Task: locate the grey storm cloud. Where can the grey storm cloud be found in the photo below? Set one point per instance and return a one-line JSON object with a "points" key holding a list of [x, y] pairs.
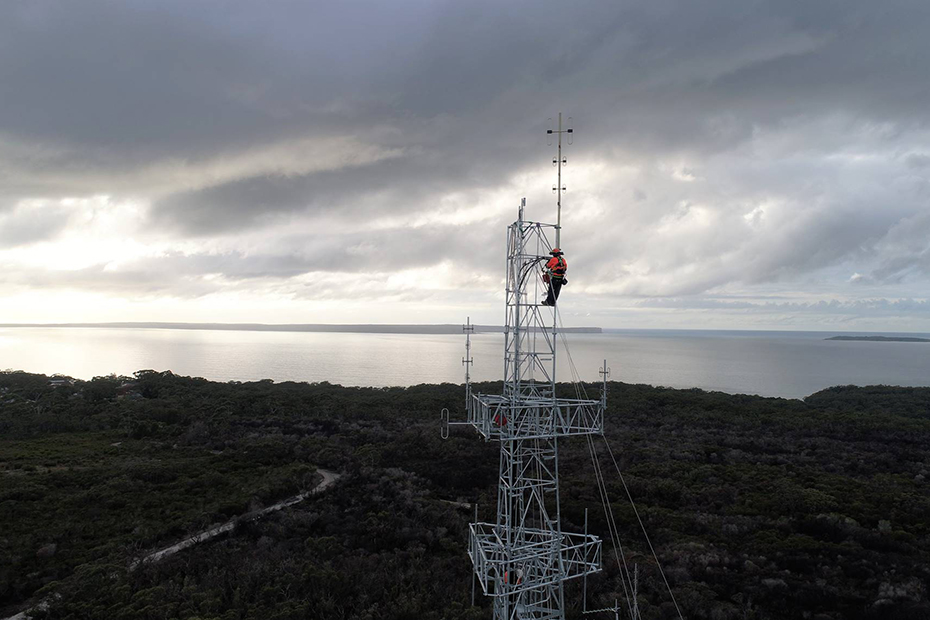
{"points": [[859, 307], [395, 187], [391, 251], [140, 80], [193, 275], [799, 129]]}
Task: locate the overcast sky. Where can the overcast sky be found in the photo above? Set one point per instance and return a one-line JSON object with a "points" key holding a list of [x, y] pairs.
{"points": [[736, 164]]}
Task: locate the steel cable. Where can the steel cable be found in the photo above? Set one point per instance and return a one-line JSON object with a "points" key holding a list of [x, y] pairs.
{"points": [[581, 392], [643, 528]]}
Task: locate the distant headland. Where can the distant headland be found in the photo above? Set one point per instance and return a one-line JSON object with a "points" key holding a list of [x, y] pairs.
{"points": [[303, 327], [879, 338]]}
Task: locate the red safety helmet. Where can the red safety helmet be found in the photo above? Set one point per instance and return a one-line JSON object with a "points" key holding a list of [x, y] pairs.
{"points": [[556, 252]]}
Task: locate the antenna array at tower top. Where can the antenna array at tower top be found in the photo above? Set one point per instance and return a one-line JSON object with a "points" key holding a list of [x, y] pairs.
{"points": [[559, 162]]}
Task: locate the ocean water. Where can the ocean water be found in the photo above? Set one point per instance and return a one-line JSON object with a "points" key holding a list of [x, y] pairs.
{"points": [[785, 364]]}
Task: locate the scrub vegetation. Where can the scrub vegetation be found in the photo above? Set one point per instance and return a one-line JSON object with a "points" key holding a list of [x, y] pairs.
{"points": [[758, 508]]}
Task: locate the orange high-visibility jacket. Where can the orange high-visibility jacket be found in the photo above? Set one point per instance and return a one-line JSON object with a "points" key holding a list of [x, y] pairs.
{"points": [[557, 266]]}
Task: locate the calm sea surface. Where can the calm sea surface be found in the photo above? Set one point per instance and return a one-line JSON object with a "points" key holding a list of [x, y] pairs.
{"points": [[788, 364]]}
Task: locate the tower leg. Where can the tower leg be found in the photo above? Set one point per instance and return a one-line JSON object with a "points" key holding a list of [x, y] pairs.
{"points": [[528, 525]]}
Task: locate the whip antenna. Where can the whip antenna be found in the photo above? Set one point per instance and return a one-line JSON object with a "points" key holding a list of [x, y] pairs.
{"points": [[559, 161]]}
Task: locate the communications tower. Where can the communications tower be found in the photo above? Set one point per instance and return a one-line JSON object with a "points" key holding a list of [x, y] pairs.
{"points": [[523, 559]]}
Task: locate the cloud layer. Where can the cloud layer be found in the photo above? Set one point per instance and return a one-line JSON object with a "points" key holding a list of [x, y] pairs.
{"points": [[755, 164]]}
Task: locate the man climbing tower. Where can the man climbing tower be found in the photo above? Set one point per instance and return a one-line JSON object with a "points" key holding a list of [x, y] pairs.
{"points": [[554, 275]]}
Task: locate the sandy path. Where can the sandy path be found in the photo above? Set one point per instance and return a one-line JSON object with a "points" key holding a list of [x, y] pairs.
{"points": [[329, 478]]}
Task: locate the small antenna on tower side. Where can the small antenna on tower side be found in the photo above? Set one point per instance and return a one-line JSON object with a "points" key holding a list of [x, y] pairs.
{"points": [[604, 372], [559, 161], [467, 361]]}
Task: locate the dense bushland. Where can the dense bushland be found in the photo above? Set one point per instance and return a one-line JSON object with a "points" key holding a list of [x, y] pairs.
{"points": [[758, 508]]}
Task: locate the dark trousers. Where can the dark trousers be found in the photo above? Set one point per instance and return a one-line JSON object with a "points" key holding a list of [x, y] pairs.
{"points": [[555, 285]]}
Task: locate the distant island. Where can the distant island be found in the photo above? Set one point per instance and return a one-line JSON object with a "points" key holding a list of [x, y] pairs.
{"points": [[879, 338], [304, 327]]}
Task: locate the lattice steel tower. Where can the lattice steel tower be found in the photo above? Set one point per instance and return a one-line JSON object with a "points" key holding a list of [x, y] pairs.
{"points": [[523, 559]]}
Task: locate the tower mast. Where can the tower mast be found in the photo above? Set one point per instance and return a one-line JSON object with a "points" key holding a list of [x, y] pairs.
{"points": [[523, 558]]}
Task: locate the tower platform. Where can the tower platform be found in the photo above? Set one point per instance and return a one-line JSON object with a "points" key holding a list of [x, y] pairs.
{"points": [[501, 417], [541, 557]]}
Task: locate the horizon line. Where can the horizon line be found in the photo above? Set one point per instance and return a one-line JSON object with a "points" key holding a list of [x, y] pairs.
{"points": [[428, 328], [414, 328]]}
